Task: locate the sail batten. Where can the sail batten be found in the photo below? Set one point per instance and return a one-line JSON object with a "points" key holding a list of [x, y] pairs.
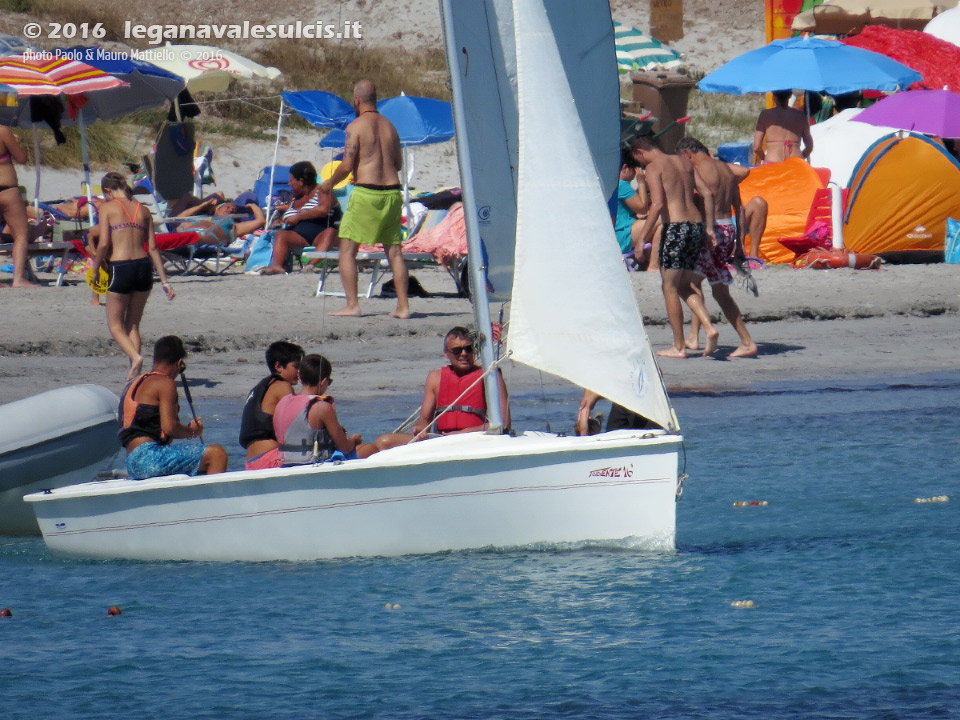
{"points": [[573, 310]]}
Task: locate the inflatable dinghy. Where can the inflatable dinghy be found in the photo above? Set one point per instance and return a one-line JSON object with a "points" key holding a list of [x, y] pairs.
{"points": [[59, 437]]}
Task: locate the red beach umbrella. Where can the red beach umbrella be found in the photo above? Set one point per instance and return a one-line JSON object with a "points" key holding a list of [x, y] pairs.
{"points": [[937, 60]]}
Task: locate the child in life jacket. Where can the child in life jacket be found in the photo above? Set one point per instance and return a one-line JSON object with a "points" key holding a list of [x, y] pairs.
{"points": [[307, 428]]}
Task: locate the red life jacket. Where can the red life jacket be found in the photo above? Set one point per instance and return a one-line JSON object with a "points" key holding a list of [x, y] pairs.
{"points": [[470, 410]]}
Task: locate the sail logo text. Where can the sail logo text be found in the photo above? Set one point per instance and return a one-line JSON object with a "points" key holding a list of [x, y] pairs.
{"points": [[614, 472]]}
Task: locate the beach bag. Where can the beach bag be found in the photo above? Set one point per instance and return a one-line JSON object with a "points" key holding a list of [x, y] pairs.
{"points": [[262, 253], [951, 248], [414, 289]]}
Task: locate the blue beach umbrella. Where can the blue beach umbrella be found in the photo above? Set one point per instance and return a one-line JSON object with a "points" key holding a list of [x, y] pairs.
{"points": [[806, 63], [418, 120], [319, 108], [148, 86]]}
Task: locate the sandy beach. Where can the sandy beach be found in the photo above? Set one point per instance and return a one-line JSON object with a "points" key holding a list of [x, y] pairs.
{"points": [[812, 327]]}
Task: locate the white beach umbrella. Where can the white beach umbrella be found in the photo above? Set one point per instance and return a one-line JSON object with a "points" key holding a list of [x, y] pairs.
{"points": [[946, 26], [209, 69]]}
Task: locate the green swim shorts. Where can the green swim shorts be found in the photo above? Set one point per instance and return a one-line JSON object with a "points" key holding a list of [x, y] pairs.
{"points": [[373, 216]]}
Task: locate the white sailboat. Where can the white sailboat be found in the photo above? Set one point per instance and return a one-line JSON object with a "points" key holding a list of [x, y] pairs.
{"points": [[529, 108]]}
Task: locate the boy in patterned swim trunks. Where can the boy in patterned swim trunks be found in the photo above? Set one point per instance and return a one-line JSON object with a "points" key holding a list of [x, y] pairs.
{"points": [[729, 230], [671, 181]]}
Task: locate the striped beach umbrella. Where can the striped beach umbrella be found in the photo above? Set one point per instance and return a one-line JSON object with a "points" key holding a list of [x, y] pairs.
{"points": [[49, 74], [637, 51], [52, 74]]}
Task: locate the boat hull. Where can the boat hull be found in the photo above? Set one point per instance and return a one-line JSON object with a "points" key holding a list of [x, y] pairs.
{"points": [[57, 438], [454, 493]]}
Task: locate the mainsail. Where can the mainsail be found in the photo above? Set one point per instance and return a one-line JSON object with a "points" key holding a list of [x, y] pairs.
{"points": [[573, 310], [483, 57]]}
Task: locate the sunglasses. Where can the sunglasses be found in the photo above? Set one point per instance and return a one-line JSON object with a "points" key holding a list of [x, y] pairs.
{"points": [[461, 350]]}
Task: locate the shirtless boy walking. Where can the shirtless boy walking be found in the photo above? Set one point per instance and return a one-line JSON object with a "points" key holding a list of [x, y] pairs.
{"points": [[671, 181], [729, 231], [374, 215]]}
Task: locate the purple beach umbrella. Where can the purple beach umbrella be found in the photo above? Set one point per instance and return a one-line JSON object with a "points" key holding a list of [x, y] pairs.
{"points": [[934, 112]]}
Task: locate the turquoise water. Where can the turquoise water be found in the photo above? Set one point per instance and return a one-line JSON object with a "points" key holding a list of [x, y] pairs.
{"points": [[855, 590]]}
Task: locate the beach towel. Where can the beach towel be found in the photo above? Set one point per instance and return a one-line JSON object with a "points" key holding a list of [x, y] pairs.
{"points": [[951, 248], [446, 241]]}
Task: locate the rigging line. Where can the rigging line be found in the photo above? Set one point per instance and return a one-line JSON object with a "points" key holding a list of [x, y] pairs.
{"points": [[543, 402], [213, 101], [410, 417], [493, 366]]}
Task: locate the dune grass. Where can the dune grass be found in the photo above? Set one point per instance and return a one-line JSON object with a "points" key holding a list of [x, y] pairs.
{"points": [[108, 145], [717, 118]]}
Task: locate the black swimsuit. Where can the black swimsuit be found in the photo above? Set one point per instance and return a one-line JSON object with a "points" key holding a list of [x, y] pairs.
{"points": [[130, 276]]}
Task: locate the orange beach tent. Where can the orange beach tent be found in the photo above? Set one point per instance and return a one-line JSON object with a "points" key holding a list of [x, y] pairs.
{"points": [[789, 188], [901, 193]]}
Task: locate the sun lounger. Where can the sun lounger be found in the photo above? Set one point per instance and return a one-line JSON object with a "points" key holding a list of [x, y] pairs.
{"points": [[64, 249], [374, 262], [187, 253]]}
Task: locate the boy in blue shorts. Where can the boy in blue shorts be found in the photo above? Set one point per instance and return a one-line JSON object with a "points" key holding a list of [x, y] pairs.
{"points": [[149, 419]]}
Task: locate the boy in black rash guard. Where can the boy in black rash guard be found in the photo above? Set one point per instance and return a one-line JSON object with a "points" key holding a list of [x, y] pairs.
{"points": [[256, 423]]}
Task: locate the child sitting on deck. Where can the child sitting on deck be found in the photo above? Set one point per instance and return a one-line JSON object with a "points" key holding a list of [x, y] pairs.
{"points": [[306, 424]]}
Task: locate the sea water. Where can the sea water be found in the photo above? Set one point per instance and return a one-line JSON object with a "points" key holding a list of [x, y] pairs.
{"points": [[837, 598]]}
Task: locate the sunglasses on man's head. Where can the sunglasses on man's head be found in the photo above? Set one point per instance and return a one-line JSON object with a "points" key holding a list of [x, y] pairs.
{"points": [[460, 350]]}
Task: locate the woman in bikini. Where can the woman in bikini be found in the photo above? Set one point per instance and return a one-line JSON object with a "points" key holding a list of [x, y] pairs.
{"points": [[310, 220], [11, 204], [125, 227]]}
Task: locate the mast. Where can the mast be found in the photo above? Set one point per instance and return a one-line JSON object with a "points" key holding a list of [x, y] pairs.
{"points": [[477, 268]]}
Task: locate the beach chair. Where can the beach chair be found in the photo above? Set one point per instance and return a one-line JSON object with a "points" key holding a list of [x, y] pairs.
{"points": [[818, 232], [371, 263], [66, 250], [202, 168], [185, 253]]}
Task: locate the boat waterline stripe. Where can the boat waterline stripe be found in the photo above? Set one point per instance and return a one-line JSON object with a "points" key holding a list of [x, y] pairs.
{"points": [[359, 503]]}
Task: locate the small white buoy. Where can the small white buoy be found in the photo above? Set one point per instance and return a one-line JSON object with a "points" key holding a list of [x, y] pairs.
{"points": [[742, 604], [391, 606], [750, 503], [934, 499]]}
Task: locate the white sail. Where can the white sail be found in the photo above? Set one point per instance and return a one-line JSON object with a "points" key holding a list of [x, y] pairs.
{"points": [[483, 58], [573, 313]]}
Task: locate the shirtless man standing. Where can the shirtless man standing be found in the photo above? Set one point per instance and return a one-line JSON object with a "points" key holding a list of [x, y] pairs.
{"points": [[783, 129], [374, 214], [729, 231], [671, 182]]}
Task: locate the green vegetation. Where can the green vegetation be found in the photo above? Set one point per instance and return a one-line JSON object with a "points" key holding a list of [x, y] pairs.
{"points": [[717, 118], [107, 146], [337, 68]]}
